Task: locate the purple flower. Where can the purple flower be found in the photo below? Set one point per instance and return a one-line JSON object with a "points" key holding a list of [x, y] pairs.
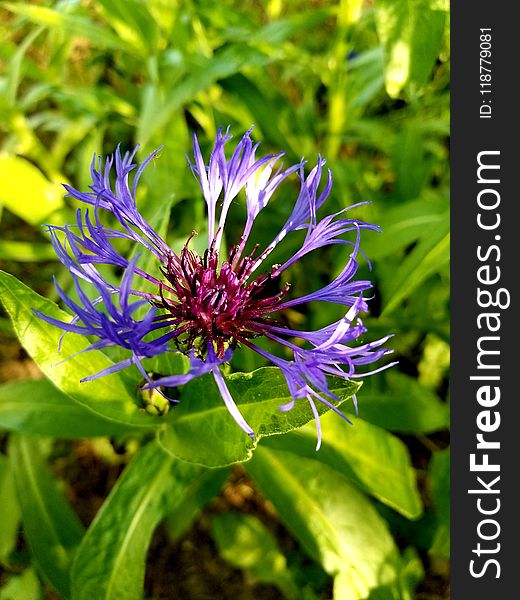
{"points": [[206, 306]]}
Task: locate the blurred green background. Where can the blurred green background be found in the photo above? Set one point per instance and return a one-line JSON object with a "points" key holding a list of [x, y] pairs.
{"points": [[366, 85]]}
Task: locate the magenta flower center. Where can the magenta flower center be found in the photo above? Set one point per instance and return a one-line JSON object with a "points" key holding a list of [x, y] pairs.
{"points": [[218, 304]]}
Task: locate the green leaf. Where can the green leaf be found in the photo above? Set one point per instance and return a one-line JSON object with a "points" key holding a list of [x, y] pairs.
{"points": [[333, 521], [10, 521], [412, 34], [133, 23], [404, 224], [411, 573], [26, 251], [22, 587], [16, 65], [245, 542], [110, 563], [147, 261], [201, 76], [435, 361], [268, 112], [440, 492], [167, 179], [200, 491], [430, 256], [38, 407], [277, 32], [372, 458], [258, 396], [52, 529], [409, 163], [72, 25], [108, 397], [26, 192], [400, 403], [365, 79]]}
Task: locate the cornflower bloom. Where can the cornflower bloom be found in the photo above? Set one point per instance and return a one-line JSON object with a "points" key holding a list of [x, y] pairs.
{"points": [[206, 306]]}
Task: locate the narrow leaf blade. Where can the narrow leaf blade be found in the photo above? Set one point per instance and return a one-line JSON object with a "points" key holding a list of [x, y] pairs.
{"points": [[52, 528], [110, 563]]}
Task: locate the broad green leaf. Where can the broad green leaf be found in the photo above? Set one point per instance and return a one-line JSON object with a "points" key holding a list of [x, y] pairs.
{"points": [[410, 573], [440, 492], [372, 458], [245, 542], [25, 586], [258, 396], [72, 25], [200, 491], [26, 192], [10, 521], [400, 403], [334, 522], [412, 34], [51, 527], [108, 397], [38, 407], [110, 563], [430, 256]]}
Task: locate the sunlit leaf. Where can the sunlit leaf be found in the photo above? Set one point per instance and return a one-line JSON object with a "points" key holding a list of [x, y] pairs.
{"points": [[333, 521], [26, 251], [258, 396], [25, 586], [71, 24], [369, 456], [133, 23], [245, 542], [412, 34], [109, 398], [26, 192]]}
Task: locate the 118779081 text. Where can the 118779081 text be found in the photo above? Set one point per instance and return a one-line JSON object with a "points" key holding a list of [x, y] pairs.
{"points": [[485, 73]]}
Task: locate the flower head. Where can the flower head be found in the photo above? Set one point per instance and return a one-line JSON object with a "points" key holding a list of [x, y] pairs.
{"points": [[207, 305]]}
